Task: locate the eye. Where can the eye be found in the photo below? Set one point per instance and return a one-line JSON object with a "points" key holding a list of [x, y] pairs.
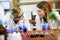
{"points": [[39, 11]]}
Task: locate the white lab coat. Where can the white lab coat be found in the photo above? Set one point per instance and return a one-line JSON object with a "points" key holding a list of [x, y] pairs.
{"points": [[11, 25], [6, 18], [38, 27], [2, 14]]}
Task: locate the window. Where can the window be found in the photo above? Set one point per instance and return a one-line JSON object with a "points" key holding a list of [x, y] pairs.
{"points": [[5, 4], [27, 9]]}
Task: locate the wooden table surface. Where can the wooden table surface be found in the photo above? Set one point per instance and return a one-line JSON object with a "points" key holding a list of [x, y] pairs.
{"points": [[41, 38]]}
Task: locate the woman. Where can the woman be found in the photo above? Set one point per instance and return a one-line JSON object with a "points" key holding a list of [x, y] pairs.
{"points": [[17, 19], [43, 9]]}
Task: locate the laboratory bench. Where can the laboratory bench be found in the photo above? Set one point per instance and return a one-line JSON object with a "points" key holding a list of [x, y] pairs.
{"points": [[39, 35]]}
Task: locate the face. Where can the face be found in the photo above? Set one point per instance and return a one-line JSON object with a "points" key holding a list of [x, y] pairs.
{"points": [[18, 17], [41, 12]]}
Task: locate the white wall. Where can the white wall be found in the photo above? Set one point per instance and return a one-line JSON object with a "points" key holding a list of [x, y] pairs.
{"points": [[27, 9]]}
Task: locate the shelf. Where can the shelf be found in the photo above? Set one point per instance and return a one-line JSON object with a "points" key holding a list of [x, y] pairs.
{"points": [[30, 3]]}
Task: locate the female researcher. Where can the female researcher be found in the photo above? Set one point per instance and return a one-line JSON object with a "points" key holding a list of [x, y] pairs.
{"points": [[42, 18], [17, 19]]}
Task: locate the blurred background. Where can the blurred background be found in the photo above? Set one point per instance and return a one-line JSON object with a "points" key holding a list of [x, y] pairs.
{"points": [[29, 8]]}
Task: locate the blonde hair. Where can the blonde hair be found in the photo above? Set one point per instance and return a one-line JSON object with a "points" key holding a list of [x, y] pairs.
{"points": [[15, 11], [44, 5]]}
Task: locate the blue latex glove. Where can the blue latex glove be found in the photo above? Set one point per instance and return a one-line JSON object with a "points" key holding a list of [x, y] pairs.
{"points": [[24, 29], [43, 27], [20, 27], [10, 31], [48, 28]]}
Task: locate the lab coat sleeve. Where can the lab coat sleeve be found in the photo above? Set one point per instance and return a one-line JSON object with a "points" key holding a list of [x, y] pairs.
{"points": [[26, 23], [38, 23], [6, 19], [8, 24]]}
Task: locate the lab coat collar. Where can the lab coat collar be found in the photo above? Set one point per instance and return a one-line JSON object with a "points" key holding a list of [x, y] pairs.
{"points": [[43, 21]]}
